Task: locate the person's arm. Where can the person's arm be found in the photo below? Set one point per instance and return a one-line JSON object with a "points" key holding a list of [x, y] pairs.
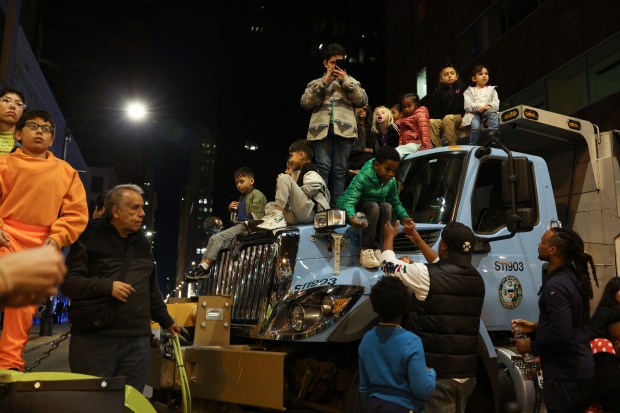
{"points": [[314, 95], [397, 207], [256, 205], [414, 275], [414, 236], [494, 99], [351, 196], [73, 215], [159, 311], [313, 184], [557, 333], [468, 97], [354, 91], [437, 110], [422, 379], [393, 135], [424, 128], [78, 283], [30, 276]]}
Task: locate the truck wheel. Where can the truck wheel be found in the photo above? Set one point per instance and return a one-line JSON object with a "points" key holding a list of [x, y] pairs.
{"points": [[352, 400]]}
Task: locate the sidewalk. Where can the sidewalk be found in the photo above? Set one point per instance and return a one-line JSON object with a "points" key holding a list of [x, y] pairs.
{"points": [[36, 341]]}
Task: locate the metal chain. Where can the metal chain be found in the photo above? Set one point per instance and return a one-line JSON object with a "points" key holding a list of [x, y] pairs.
{"points": [[53, 346]]}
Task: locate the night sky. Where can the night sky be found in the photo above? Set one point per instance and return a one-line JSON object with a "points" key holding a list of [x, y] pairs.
{"points": [[201, 74], [174, 78]]}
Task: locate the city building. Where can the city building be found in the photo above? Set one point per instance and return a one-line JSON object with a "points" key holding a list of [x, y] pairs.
{"points": [[196, 206], [562, 56]]}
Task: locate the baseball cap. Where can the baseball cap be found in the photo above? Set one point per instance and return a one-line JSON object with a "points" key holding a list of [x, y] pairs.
{"points": [[460, 241]]}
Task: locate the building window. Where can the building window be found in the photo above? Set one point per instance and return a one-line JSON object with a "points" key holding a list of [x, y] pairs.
{"points": [[251, 146], [467, 44], [532, 96], [421, 86], [567, 89], [492, 26], [603, 65]]}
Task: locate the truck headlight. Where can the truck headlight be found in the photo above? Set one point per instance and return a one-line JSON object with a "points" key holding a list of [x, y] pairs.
{"points": [[296, 316], [330, 219], [306, 313]]}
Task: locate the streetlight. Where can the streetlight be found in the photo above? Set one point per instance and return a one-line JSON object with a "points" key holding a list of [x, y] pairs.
{"points": [[136, 110]]}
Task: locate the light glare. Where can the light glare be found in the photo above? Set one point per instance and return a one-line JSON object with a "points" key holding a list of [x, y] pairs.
{"points": [[136, 111]]}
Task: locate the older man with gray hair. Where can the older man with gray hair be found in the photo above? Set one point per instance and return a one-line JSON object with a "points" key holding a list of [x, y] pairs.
{"points": [[113, 258]]}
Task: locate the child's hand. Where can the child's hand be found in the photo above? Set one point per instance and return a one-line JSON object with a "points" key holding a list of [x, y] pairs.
{"points": [[233, 206], [52, 242], [289, 168], [408, 221], [5, 241], [390, 231], [353, 221], [338, 73]]}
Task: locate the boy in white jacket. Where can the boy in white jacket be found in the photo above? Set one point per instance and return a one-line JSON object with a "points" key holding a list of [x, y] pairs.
{"points": [[298, 199], [481, 102]]}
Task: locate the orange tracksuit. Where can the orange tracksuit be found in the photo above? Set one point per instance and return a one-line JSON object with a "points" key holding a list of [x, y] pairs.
{"points": [[39, 199]]}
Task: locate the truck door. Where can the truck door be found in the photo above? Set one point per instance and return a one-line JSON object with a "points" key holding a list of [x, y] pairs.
{"points": [[508, 263]]}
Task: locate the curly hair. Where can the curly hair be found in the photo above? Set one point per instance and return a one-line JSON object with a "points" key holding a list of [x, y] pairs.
{"points": [[389, 298]]}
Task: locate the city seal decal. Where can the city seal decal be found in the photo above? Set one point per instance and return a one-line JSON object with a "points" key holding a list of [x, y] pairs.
{"points": [[510, 292]]}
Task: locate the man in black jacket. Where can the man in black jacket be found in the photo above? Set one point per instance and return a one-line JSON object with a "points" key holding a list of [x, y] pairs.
{"points": [[111, 250], [446, 283]]}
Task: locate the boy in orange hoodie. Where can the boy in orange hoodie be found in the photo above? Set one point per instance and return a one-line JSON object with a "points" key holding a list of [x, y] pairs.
{"points": [[42, 202]]}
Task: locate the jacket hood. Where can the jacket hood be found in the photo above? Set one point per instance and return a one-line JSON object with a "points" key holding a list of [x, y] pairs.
{"points": [[369, 171]]}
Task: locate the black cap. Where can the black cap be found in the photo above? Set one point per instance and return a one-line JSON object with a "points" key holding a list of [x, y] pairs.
{"points": [[460, 241]]}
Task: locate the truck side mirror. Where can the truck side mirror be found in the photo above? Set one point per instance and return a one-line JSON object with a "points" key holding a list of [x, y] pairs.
{"points": [[526, 222], [522, 175]]}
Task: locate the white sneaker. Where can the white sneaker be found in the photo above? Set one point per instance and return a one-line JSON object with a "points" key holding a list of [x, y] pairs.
{"points": [[378, 255], [368, 259], [273, 221]]}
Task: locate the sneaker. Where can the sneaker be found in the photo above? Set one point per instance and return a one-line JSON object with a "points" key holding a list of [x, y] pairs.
{"points": [[273, 221], [378, 255], [197, 273], [368, 259]]}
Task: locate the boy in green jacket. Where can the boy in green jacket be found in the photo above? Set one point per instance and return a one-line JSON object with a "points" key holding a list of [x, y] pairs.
{"points": [[374, 192]]}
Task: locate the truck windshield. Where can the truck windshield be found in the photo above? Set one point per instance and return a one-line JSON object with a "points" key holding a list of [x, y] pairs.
{"points": [[430, 186]]}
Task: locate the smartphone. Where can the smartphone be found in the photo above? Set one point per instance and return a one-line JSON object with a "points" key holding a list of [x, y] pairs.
{"points": [[341, 63]]}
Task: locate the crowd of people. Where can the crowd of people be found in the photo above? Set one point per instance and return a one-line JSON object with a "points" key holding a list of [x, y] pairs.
{"points": [[44, 209], [421, 356]]}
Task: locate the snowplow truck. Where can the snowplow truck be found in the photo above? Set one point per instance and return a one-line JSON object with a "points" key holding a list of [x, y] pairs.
{"points": [[278, 323]]}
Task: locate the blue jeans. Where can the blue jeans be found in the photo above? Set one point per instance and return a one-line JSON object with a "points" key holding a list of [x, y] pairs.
{"points": [[331, 155], [476, 125]]}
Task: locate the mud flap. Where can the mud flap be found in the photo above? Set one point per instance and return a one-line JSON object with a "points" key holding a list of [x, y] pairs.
{"points": [[236, 374]]}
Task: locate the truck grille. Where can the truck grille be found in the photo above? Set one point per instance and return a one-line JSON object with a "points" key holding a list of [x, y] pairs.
{"points": [[402, 243], [246, 274]]}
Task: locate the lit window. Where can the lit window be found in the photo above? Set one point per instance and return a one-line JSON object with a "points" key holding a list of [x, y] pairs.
{"points": [[421, 83]]}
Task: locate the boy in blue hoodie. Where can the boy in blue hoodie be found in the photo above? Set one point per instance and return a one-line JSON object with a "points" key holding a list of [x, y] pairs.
{"points": [[374, 192]]}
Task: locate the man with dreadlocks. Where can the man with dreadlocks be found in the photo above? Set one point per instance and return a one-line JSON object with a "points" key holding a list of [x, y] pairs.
{"points": [[561, 337]]}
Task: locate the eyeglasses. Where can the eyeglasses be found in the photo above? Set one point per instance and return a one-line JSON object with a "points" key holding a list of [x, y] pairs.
{"points": [[8, 102], [44, 128]]}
